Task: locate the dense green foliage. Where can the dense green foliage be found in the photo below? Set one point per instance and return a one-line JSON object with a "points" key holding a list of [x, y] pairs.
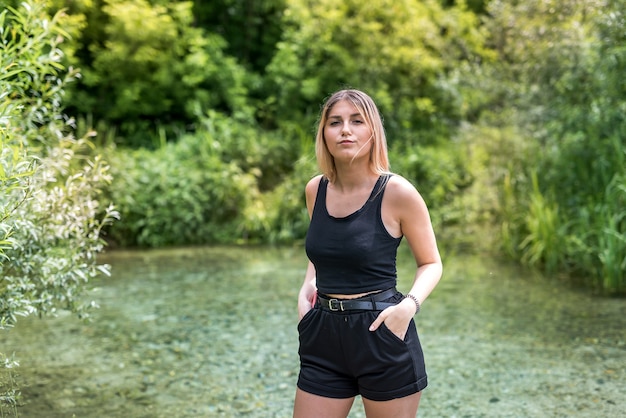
{"points": [[498, 111], [400, 51], [564, 199], [506, 114], [215, 186], [150, 68], [50, 215], [252, 28]]}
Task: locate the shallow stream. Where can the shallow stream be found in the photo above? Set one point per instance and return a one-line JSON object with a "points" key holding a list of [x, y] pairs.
{"points": [[211, 332]]}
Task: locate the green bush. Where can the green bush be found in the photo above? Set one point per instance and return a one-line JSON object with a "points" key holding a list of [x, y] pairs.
{"points": [[51, 215], [267, 154], [440, 173], [146, 67], [180, 194], [400, 51], [229, 182], [280, 215], [563, 206]]}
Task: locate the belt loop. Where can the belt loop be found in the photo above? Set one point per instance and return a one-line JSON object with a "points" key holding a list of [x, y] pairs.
{"points": [[373, 302]]}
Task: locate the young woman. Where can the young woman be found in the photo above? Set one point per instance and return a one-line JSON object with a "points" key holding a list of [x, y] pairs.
{"points": [[357, 334]]}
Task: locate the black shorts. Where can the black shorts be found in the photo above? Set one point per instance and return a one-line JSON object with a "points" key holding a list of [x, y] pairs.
{"points": [[341, 358]]}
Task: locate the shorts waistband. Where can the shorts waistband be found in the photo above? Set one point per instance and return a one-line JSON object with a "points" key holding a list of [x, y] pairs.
{"points": [[371, 302]]}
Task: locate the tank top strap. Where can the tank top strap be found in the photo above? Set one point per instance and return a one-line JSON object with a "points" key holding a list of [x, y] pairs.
{"points": [[320, 198], [378, 189]]}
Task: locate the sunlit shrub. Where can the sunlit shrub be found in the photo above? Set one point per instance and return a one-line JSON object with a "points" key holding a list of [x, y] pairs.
{"points": [[440, 174], [560, 82], [229, 182], [51, 215], [181, 194], [280, 215]]}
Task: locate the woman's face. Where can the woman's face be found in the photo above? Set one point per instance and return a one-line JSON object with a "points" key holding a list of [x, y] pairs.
{"points": [[347, 134]]}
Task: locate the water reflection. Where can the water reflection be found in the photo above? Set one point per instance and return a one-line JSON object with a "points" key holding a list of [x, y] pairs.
{"points": [[210, 332]]}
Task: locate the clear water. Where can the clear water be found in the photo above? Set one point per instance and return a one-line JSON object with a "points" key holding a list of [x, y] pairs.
{"points": [[211, 332]]}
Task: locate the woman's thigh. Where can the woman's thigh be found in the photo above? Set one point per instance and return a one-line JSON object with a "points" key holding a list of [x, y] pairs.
{"points": [[308, 405], [405, 407]]}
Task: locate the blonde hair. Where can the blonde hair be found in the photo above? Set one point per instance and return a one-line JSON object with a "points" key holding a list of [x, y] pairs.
{"points": [[379, 160]]}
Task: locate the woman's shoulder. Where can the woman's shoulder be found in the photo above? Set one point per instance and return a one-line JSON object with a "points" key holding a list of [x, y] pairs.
{"points": [[314, 183], [310, 192], [400, 189], [399, 184]]}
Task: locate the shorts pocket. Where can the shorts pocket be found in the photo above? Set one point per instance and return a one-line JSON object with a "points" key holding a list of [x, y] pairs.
{"points": [[302, 325], [390, 334]]}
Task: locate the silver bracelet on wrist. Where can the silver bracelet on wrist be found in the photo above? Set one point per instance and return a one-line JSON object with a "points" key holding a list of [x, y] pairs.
{"points": [[418, 306]]}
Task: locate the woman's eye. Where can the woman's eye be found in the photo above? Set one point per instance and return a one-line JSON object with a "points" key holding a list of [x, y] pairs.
{"points": [[357, 121]]}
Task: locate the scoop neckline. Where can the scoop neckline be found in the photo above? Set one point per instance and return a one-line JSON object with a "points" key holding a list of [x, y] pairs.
{"points": [[356, 212]]}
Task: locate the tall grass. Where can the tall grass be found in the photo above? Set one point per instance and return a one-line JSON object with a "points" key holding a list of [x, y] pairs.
{"points": [[9, 395], [611, 240], [579, 235], [543, 244], [602, 224]]}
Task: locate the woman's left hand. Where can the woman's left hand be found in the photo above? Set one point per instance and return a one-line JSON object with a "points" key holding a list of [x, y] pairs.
{"points": [[396, 318]]}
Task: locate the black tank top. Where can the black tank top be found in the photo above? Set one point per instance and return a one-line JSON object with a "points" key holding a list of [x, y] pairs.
{"points": [[354, 254]]}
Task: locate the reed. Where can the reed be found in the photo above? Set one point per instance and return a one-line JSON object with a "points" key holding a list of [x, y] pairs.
{"points": [[542, 245], [595, 239], [611, 240]]}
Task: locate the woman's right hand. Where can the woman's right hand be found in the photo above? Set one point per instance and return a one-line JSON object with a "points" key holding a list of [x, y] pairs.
{"points": [[306, 298]]}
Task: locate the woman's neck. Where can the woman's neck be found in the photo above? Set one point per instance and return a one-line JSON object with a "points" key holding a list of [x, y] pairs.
{"points": [[353, 178]]}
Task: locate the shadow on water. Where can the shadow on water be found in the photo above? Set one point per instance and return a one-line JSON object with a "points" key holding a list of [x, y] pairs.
{"points": [[210, 332]]}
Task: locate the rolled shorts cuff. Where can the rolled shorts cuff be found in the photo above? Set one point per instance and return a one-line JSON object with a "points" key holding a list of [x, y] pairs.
{"points": [[396, 393]]}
